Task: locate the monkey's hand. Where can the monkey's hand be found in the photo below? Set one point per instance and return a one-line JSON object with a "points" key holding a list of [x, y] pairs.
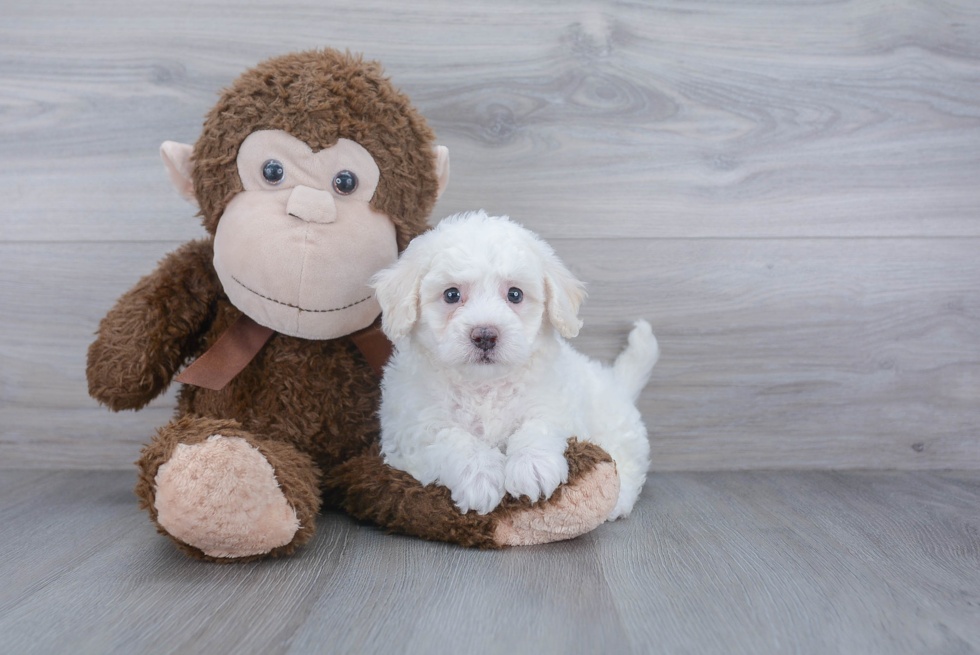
{"points": [[153, 328]]}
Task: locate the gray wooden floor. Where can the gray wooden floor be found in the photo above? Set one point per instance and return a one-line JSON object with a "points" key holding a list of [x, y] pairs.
{"points": [[731, 562]]}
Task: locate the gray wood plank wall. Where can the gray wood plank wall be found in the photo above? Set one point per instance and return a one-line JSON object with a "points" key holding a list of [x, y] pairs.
{"points": [[789, 192]]}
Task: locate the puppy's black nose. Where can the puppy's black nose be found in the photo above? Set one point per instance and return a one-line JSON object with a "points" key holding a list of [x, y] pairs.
{"points": [[484, 338]]}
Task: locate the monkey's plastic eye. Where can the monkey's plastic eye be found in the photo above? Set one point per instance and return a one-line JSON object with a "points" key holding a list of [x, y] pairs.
{"points": [[515, 295], [451, 295], [344, 183], [273, 172]]}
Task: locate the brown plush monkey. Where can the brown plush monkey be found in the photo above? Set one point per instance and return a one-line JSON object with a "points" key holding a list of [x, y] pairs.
{"points": [[311, 174]]}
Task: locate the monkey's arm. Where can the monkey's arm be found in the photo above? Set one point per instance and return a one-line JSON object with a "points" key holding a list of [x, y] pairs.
{"points": [[370, 490], [153, 328]]}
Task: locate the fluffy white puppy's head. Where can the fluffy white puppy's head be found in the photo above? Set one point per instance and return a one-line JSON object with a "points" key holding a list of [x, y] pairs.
{"points": [[480, 293]]}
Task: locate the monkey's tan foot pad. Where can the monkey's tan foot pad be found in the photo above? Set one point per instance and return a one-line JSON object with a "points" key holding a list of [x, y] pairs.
{"points": [[221, 496], [582, 507]]}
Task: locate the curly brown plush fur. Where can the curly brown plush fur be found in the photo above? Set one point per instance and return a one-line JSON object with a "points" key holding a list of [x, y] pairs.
{"points": [[153, 329], [309, 407], [320, 96]]}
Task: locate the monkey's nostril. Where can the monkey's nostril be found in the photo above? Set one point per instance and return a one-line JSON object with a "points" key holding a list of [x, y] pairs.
{"points": [[484, 337]]}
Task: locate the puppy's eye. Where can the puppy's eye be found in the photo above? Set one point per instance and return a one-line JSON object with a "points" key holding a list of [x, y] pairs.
{"points": [[515, 295], [273, 172], [344, 183], [451, 295]]}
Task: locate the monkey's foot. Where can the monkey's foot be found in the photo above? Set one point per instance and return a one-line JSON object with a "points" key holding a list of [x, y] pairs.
{"points": [[222, 497], [577, 507]]}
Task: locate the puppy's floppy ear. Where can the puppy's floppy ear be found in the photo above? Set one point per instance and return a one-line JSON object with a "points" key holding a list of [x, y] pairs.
{"points": [[397, 288], [564, 293]]}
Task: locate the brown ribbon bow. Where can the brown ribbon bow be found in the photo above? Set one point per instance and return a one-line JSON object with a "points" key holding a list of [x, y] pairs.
{"points": [[241, 342]]}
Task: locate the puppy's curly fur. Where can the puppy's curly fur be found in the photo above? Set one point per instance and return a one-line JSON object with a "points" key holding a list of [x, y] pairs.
{"points": [[483, 391]]}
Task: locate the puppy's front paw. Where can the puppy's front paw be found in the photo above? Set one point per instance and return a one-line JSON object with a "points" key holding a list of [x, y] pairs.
{"points": [[479, 482], [534, 473]]}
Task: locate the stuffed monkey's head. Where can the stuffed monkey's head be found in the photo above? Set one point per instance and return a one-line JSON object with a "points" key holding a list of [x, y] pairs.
{"points": [[312, 173]]}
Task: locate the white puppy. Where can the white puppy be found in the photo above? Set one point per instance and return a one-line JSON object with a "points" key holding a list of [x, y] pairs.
{"points": [[482, 392]]}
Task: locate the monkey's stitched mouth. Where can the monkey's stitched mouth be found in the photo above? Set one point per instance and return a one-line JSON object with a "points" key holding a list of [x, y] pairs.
{"points": [[302, 309]]}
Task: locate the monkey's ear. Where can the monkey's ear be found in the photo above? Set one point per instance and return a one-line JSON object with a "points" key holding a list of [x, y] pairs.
{"points": [[397, 288], [177, 158], [442, 168]]}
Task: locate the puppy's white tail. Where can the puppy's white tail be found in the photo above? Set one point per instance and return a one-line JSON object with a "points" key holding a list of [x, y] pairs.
{"points": [[633, 366]]}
